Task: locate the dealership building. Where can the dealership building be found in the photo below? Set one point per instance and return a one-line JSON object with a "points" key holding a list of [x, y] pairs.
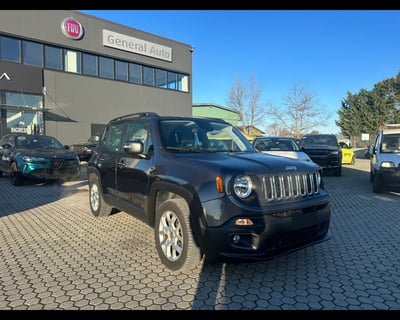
{"points": [[64, 73]]}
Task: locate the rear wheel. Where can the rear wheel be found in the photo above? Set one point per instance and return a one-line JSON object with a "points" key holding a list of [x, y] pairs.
{"points": [[16, 178], [353, 160], [175, 244], [98, 206]]}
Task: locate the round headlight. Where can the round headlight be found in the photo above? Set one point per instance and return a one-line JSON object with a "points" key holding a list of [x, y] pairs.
{"points": [[242, 186]]}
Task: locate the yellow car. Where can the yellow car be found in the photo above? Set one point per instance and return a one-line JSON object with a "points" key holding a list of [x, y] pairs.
{"points": [[348, 156]]}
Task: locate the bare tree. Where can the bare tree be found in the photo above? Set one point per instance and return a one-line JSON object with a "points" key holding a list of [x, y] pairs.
{"points": [[246, 101], [299, 112], [275, 129], [236, 99], [255, 114]]}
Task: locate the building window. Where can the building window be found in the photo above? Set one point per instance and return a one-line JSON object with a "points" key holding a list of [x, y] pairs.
{"points": [[32, 53], [106, 68], [172, 80], [10, 49], [89, 63], [121, 70], [53, 57], [25, 113], [148, 76], [72, 61], [161, 78], [135, 73], [18, 99], [183, 83]]}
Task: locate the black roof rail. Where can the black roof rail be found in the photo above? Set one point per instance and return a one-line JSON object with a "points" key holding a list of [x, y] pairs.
{"points": [[136, 114], [210, 118]]}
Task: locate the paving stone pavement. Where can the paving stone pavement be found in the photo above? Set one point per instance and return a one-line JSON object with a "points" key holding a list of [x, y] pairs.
{"points": [[54, 255]]}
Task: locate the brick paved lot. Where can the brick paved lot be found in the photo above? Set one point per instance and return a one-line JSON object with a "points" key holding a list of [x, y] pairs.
{"points": [[54, 255]]}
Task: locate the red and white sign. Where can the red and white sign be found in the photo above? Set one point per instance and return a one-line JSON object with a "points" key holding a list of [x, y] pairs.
{"points": [[71, 28]]}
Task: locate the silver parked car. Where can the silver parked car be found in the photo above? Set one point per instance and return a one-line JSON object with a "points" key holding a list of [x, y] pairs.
{"points": [[280, 146]]}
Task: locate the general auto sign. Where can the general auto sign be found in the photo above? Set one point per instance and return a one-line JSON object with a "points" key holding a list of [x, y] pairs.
{"points": [[71, 28]]}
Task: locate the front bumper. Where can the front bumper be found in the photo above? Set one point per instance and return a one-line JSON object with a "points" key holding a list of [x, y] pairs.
{"points": [[390, 177], [30, 171], [328, 163], [270, 235]]}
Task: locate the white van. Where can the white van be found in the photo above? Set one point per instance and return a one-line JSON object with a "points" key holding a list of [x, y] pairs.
{"points": [[385, 159]]}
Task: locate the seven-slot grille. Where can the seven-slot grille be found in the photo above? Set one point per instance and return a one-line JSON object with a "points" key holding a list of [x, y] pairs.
{"points": [[289, 186]]}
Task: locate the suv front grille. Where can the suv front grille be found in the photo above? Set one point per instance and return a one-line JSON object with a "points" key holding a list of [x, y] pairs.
{"points": [[318, 152], [56, 163], [290, 186]]}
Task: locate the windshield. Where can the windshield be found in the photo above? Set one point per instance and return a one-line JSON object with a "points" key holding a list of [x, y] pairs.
{"points": [[38, 142], [318, 140], [275, 144], [391, 143], [202, 135]]}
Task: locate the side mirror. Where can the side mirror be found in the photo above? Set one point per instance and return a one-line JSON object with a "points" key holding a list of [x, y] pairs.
{"points": [[133, 147]]}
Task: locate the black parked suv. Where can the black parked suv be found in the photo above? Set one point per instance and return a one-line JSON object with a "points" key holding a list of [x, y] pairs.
{"points": [[84, 150], [324, 150], [205, 190]]}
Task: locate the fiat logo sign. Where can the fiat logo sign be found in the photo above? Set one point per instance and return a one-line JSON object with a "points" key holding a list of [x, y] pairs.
{"points": [[71, 28]]}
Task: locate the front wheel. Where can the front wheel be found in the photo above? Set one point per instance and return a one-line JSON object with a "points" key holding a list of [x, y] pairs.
{"points": [[337, 172], [377, 186], [98, 206], [16, 178], [174, 239]]}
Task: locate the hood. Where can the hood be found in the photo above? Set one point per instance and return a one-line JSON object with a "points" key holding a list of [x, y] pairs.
{"points": [[394, 157], [320, 147], [45, 153], [299, 155], [245, 163], [85, 144]]}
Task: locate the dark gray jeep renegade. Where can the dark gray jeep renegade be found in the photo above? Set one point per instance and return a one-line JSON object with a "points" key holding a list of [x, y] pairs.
{"points": [[205, 190]]}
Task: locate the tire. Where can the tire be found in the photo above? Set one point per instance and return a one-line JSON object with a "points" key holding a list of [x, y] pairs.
{"points": [[377, 186], [60, 181], [16, 178], [337, 172], [353, 160], [98, 206], [173, 233]]}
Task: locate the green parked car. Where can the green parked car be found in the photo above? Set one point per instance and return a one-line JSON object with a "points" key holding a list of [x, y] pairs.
{"points": [[35, 157]]}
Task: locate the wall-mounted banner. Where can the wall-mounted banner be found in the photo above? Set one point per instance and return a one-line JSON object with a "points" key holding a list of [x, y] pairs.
{"points": [[135, 45]]}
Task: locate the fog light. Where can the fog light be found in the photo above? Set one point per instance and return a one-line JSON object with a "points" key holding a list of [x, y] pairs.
{"points": [[236, 238], [244, 222]]}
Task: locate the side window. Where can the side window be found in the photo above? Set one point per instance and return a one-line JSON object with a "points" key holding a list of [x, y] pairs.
{"points": [[113, 136], [139, 131], [10, 141], [377, 143]]}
